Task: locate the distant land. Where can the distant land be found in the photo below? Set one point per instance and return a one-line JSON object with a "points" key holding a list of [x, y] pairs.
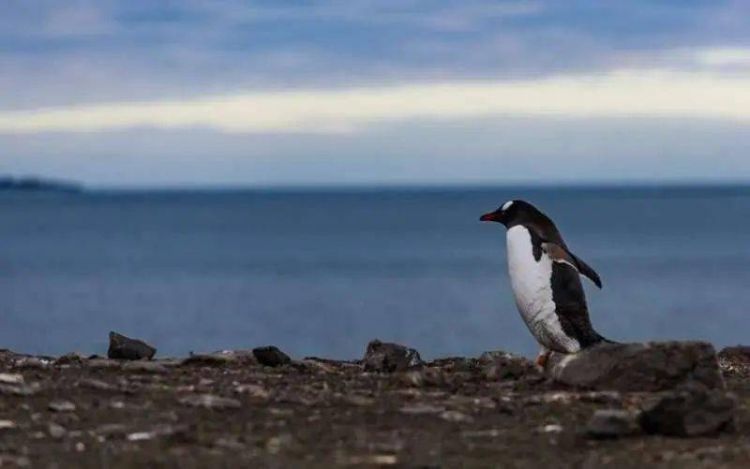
{"points": [[35, 184]]}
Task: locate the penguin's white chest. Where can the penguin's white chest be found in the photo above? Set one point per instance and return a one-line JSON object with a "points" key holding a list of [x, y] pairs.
{"points": [[532, 289]]}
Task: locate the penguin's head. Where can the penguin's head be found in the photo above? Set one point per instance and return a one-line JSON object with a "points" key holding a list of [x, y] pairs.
{"points": [[510, 212]]}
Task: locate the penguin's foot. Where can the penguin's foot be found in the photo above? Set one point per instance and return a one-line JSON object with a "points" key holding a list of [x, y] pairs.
{"points": [[541, 359]]}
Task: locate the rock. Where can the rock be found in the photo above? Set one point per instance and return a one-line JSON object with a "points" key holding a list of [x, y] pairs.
{"points": [[31, 363], [73, 358], [56, 431], [654, 366], [144, 367], [611, 423], [271, 356], [210, 359], [497, 365], [61, 406], [690, 411], [421, 409], [735, 359], [390, 357], [456, 416], [96, 384], [22, 390], [7, 425], [103, 364], [551, 428], [125, 348], [253, 390], [8, 378], [210, 401]]}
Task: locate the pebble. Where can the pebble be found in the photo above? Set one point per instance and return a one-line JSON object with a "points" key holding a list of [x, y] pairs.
{"points": [[10, 378], [56, 431], [552, 428], [421, 409], [140, 366], [7, 425], [210, 401], [611, 423], [61, 406], [455, 416]]}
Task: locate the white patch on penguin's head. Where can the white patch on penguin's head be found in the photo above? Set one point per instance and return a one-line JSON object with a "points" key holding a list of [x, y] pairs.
{"points": [[506, 205]]}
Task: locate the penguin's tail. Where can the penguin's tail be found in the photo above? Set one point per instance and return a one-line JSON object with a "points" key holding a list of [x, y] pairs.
{"points": [[604, 340]]}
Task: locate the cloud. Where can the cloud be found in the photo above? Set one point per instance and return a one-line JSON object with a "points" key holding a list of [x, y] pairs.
{"points": [[724, 57], [624, 93]]}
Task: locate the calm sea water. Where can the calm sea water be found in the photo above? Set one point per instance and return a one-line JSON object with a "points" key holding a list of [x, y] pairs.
{"points": [[321, 273]]}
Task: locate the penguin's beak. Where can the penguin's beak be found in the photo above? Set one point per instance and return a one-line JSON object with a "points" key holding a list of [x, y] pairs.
{"points": [[492, 216]]}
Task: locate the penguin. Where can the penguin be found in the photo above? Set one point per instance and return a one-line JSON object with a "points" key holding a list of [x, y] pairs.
{"points": [[545, 278]]}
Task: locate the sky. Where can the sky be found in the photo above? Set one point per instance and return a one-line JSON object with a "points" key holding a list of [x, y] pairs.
{"points": [[137, 93]]}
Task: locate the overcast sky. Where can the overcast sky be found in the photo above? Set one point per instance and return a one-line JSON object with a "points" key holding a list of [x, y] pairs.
{"points": [[145, 93]]}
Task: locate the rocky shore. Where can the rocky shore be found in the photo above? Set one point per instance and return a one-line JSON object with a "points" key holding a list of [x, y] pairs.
{"points": [[673, 404]]}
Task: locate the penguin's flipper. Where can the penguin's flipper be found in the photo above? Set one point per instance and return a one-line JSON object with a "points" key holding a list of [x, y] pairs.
{"points": [[561, 254], [587, 271]]}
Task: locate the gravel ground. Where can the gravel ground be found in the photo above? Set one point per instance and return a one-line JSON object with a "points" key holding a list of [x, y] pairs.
{"points": [[227, 410]]}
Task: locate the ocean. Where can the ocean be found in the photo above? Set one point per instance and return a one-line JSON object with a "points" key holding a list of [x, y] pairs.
{"points": [[323, 272]]}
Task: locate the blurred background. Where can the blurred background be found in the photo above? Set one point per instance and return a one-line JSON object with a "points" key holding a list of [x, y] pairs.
{"points": [[310, 174]]}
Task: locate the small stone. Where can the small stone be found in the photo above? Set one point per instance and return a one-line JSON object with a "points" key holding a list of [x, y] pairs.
{"points": [[111, 429], [11, 378], [389, 357], [276, 443], [31, 363], [455, 416], [252, 390], [56, 431], [140, 436], [96, 384], [144, 367], [61, 406], [552, 428], [210, 401], [125, 348], [22, 390], [103, 364], [80, 447], [498, 365], [611, 423], [421, 409], [73, 358], [271, 356], [7, 425]]}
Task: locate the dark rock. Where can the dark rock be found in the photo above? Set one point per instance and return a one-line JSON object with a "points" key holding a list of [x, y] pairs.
{"points": [[73, 358], [735, 360], [390, 357], [125, 348], [689, 411], [271, 356], [654, 366], [497, 365], [611, 423], [739, 354]]}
